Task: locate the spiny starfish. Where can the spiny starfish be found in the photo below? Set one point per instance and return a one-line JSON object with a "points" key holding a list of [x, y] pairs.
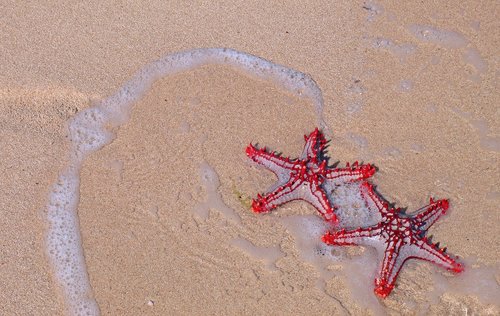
{"points": [[307, 178], [399, 236]]}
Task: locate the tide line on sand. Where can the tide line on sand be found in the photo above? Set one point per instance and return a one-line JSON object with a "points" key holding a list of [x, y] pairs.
{"points": [[88, 133]]}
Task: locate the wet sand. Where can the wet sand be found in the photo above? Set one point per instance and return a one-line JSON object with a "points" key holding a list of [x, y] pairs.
{"points": [[424, 112]]}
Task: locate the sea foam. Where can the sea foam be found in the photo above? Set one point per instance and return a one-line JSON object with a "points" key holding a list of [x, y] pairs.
{"points": [[91, 129], [452, 40]]}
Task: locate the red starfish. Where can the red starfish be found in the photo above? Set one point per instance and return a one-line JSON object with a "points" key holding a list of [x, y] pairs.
{"points": [[399, 236], [307, 178]]}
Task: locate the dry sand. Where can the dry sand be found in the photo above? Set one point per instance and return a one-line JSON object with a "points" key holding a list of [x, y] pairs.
{"points": [[426, 114]]}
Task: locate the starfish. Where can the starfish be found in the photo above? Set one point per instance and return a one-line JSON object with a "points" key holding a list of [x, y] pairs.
{"points": [[399, 236], [307, 178]]}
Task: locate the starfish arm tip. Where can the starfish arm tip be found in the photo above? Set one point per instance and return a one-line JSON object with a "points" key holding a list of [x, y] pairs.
{"points": [[458, 267], [368, 170], [445, 204], [250, 150], [383, 288], [259, 205], [328, 238], [340, 238], [429, 214]]}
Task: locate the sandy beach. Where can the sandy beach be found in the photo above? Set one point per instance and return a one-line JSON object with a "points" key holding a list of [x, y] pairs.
{"points": [[163, 208]]}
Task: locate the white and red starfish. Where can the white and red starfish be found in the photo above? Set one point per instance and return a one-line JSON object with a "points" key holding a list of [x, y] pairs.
{"points": [[398, 237], [308, 178]]}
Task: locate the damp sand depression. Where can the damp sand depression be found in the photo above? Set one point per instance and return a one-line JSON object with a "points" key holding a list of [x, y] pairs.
{"points": [[171, 186]]}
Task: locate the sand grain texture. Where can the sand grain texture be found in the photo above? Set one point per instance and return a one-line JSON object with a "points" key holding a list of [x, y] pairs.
{"points": [[33, 148], [425, 113]]}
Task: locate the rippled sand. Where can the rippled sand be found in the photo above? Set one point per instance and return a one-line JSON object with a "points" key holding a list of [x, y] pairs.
{"points": [[401, 91]]}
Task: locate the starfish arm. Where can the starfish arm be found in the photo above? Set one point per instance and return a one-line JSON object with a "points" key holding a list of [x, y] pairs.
{"points": [[373, 200], [282, 167], [340, 176], [394, 257], [285, 193], [310, 192], [316, 196], [429, 214], [315, 143], [421, 249], [360, 236]]}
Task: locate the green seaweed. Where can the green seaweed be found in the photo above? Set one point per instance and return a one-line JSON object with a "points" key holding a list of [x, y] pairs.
{"points": [[245, 200]]}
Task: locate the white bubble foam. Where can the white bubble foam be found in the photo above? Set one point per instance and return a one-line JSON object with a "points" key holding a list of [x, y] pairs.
{"points": [[404, 86], [486, 141], [452, 39], [477, 280], [210, 180], [473, 57], [88, 133], [351, 208], [267, 254], [356, 271], [441, 37], [63, 244], [402, 51], [358, 140], [306, 231], [297, 82], [373, 9]]}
